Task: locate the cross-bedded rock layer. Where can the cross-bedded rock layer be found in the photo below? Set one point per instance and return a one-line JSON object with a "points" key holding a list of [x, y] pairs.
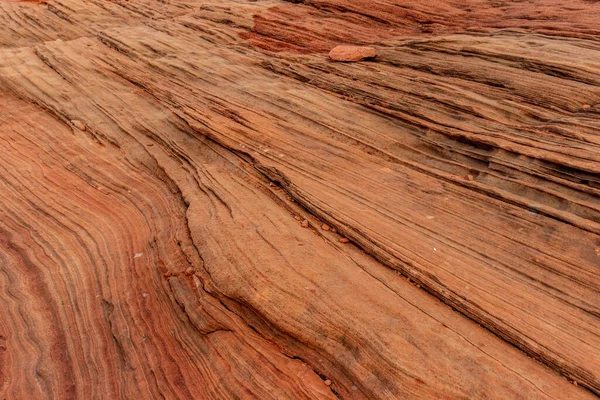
{"points": [[168, 167]]}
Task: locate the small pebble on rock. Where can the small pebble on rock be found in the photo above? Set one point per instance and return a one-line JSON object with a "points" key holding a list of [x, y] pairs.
{"points": [[78, 124], [585, 106], [328, 382], [297, 218], [344, 240], [325, 227], [304, 224]]}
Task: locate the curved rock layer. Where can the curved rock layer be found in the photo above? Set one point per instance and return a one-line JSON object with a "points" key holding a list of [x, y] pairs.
{"points": [[197, 203]]}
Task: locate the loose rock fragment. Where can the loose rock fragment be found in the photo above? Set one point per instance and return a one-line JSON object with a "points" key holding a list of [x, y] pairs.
{"points": [[78, 124], [304, 224], [352, 53], [344, 240], [325, 227], [328, 382]]}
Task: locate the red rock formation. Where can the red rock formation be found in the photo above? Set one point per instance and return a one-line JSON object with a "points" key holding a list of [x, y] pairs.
{"points": [[197, 203]]}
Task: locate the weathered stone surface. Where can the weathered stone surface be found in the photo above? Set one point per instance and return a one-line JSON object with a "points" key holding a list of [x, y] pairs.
{"points": [[175, 247]]}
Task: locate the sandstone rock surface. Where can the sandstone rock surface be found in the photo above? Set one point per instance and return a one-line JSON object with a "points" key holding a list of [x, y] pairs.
{"points": [[167, 170]]}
